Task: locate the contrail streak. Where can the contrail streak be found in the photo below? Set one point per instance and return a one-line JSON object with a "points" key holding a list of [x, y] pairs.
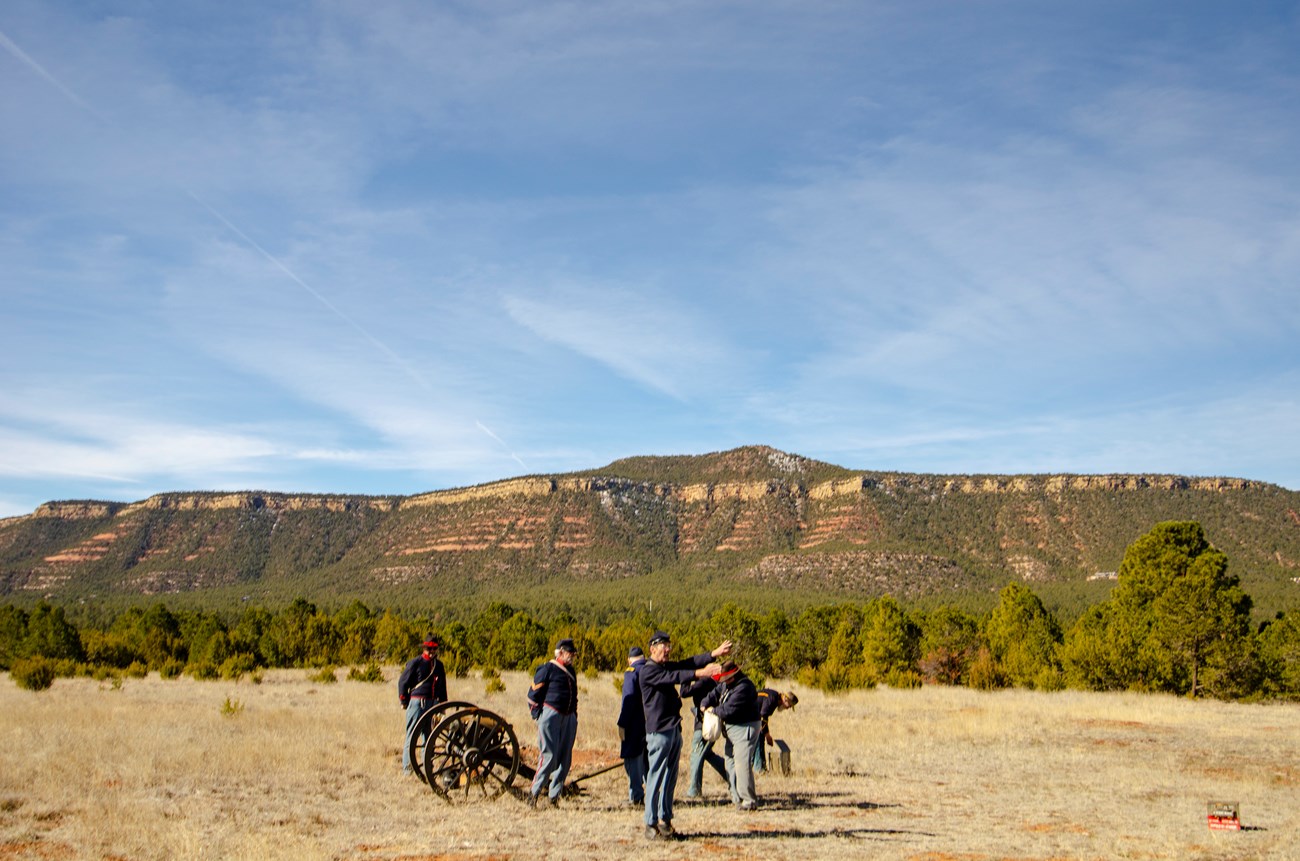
{"points": [[22, 56], [485, 430], [365, 333], [292, 276]]}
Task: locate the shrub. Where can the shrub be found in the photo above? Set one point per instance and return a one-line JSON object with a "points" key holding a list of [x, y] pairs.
{"points": [[833, 677], [171, 669], [325, 676], [902, 679], [372, 673], [203, 671], [984, 673], [231, 708], [33, 674], [234, 667], [1049, 679], [136, 670], [494, 684]]}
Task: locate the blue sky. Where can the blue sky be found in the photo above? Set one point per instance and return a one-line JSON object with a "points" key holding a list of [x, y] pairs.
{"points": [[389, 247]]}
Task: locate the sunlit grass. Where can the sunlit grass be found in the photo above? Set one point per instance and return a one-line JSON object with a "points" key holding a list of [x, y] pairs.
{"points": [[169, 769]]}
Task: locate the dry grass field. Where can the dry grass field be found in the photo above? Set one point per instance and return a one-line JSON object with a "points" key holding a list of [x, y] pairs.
{"points": [[161, 769]]}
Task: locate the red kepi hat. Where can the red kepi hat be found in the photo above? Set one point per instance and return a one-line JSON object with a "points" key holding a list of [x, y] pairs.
{"points": [[728, 670]]}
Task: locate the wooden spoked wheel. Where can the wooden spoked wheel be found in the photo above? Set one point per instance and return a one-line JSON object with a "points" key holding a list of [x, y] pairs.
{"points": [[415, 741], [471, 755]]}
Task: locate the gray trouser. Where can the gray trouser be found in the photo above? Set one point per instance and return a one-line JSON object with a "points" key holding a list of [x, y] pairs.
{"points": [[636, 768], [555, 736], [739, 753], [663, 749], [415, 709], [702, 753]]}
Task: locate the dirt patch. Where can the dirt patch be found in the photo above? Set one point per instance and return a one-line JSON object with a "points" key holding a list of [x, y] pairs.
{"points": [[584, 761], [1287, 775], [1103, 723], [36, 849], [1057, 828]]}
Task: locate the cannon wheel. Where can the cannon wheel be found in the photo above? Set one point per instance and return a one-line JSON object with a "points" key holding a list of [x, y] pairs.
{"points": [[471, 754], [420, 732]]}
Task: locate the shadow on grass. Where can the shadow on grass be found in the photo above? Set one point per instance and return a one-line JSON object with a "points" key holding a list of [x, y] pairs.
{"points": [[812, 834], [805, 801], [819, 800], [793, 801]]}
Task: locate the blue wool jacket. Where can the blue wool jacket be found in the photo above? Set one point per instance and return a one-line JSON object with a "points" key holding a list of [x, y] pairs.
{"points": [[768, 702], [659, 697], [422, 677], [697, 690], [554, 687], [735, 700], [631, 715]]}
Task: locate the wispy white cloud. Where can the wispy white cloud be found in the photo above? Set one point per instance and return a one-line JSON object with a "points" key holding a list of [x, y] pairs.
{"points": [[437, 243], [120, 449], [944, 263], [1231, 435], [644, 337], [62, 438]]}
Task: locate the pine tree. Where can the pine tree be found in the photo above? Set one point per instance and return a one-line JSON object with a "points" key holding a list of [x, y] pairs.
{"points": [[1177, 621], [1024, 638]]}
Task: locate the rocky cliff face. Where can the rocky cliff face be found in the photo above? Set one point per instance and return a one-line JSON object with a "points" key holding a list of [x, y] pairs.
{"points": [[704, 493], [762, 517], [75, 510]]}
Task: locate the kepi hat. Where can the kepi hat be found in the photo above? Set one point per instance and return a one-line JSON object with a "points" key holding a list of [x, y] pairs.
{"points": [[728, 670]]}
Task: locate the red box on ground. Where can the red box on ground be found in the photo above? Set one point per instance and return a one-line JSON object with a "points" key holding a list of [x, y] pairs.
{"points": [[1223, 815]]}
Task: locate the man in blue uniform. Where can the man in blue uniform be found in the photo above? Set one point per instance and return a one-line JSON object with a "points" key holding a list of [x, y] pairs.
{"points": [[735, 701], [659, 678], [422, 685], [553, 700], [769, 702], [631, 727], [701, 751]]}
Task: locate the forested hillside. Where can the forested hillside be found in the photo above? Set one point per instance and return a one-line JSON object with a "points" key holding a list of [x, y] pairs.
{"points": [[1177, 621], [752, 525]]}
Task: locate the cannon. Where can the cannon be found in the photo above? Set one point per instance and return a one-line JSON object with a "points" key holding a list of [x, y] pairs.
{"points": [[466, 753]]}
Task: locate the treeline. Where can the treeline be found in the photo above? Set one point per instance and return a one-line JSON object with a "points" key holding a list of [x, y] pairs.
{"points": [[1177, 622]]}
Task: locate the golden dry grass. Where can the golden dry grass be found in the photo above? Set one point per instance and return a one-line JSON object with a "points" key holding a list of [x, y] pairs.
{"points": [[310, 771]]}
